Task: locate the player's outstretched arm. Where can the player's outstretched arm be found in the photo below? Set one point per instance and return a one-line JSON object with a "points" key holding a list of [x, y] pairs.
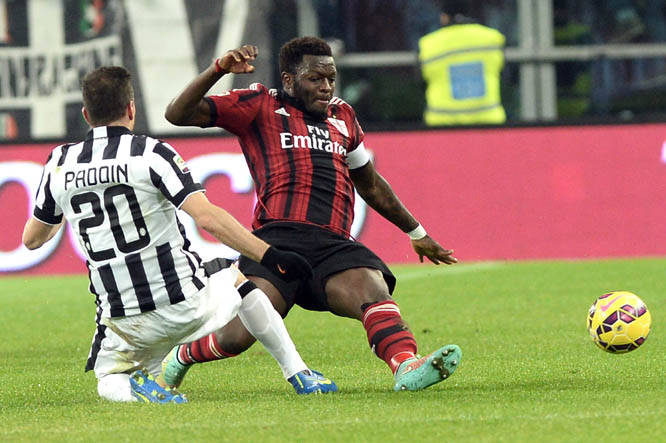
{"points": [[224, 227], [377, 193], [188, 108]]}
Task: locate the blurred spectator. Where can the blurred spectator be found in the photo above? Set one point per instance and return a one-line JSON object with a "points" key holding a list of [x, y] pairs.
{"points": [[421, 17], [461, 64], [624, 87]]}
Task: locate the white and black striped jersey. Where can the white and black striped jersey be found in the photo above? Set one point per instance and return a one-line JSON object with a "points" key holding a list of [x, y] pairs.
{"points": [[120, 191]]}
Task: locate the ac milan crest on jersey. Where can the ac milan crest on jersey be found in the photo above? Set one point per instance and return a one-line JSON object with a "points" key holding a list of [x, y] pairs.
{"points": [[339, 125]]}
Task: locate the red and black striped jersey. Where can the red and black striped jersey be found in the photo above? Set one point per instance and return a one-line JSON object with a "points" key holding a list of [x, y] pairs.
{"points": [[298, 161]]}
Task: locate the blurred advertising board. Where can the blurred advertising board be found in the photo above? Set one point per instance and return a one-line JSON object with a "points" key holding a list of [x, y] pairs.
{"points": [[490, 194]]}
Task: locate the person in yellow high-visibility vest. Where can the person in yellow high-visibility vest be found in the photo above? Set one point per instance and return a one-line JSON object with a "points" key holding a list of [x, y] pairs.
{"points": [[461, 64]]}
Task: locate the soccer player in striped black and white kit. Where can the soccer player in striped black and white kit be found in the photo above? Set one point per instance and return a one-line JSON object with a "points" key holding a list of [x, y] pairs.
{"points": [[119, 191], [305, 150]]}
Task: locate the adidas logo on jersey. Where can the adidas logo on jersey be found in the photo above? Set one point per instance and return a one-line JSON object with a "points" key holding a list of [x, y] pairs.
{"points": [[282, 111]]}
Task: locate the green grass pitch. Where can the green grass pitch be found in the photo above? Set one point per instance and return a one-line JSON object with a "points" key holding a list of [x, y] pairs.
{"points": [[529, 370]]}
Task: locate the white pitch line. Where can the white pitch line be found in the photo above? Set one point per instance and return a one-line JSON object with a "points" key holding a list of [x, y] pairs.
{"points": [[443, 270]]}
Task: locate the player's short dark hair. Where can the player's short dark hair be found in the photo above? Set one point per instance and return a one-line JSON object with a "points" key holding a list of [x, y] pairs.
{"points": [[453, 7], [106, 93], [292, 52]]}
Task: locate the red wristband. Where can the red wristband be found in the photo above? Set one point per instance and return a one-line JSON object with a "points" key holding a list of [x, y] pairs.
{"points": [[218, 68]]}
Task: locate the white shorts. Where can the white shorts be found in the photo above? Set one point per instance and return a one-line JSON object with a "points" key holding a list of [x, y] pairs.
{"points": [[144, 340]]}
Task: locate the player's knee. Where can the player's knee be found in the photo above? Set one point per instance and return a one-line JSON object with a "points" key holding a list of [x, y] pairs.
{"points": [[367, 289], [115, 387], [276, 298]]}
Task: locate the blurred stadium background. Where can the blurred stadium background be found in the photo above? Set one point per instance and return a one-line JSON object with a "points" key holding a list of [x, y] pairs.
{"points": [[576, 171]]}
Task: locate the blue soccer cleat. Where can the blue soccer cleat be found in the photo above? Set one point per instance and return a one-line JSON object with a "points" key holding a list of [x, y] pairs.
{"points": [[173, 371], [311, 382], [147, 390], [416, 374]]}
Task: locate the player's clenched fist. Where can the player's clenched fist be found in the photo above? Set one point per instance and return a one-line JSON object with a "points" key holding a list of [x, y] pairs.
{"points": [[289, 266], [237, 61]]}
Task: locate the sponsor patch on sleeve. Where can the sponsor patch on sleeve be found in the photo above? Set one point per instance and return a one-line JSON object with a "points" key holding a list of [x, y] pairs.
{"points": [[181, 164]]}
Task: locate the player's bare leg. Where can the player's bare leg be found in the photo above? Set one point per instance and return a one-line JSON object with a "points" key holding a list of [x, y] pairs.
{"points": [[362, 293]]}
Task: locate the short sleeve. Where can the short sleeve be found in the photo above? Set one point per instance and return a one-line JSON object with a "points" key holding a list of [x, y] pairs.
{"points": [[359, 135], [235, 110], [171, 175], [46, 208], [357, 156]]}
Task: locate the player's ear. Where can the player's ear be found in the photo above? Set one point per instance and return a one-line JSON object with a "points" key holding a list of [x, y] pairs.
{"points": [[287, 81], [131, 110], [85, 115]]}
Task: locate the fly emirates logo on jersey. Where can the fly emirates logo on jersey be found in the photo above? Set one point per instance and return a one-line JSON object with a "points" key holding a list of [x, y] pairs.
{"points": [[317, 138]]}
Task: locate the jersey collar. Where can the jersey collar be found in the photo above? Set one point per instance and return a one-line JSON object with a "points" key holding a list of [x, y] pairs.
{"points": [[298, 104], [107, 131]]}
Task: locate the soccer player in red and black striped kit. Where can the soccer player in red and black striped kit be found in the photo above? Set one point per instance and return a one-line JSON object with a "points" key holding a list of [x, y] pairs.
{"points": [[305, 151]]}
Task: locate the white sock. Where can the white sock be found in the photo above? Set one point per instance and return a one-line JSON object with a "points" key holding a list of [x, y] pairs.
{"points": [[266, 325], [115, 387]]}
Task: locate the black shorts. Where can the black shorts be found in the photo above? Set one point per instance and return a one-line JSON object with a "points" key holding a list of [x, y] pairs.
{"points": [[327, 252]]}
